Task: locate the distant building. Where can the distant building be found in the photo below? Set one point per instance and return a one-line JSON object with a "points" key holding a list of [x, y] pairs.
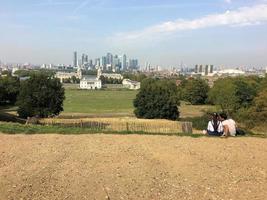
{"points": [[133, 64], [103, 62], [109, 59], [116, 63], [124, 62], [68, 75], [84, 59], [108, 75], [90, 83], [97, 62], [211, 69], [75, 59], [202, 70], [132, 85], [230, 72], [196, 69]]}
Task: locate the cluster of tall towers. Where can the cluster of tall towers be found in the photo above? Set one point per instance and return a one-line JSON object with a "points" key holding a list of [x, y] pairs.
{"points": [[108, 62], [204, 69]]}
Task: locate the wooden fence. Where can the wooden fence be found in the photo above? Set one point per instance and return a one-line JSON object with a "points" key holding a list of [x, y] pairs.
{"points": [[124, 124]]}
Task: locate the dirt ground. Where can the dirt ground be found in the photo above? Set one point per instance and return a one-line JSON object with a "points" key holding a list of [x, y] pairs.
{"points": [[131, 167]]}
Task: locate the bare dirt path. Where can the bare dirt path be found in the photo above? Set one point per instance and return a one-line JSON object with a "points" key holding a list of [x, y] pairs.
{"points": [[131, 167]]}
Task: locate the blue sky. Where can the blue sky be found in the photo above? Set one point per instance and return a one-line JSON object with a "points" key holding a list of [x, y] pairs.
{"points": [[164, 32]]}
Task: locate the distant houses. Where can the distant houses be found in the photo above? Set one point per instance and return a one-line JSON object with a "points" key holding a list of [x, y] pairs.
{"points": [[132, 85]]}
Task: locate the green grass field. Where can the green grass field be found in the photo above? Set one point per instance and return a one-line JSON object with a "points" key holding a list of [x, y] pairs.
{"points": [[99, 102]]}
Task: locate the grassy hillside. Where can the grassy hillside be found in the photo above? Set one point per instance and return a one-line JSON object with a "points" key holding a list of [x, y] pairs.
{"points": [[97, 102]]}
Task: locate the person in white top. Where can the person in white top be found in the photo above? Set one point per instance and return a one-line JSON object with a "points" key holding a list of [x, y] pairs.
{"points": [[215, 127], [229, 125]]}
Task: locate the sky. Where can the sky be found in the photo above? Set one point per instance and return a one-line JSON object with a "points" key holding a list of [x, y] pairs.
{"points": [[230, 33]]}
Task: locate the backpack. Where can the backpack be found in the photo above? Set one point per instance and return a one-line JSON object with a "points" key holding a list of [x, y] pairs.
{"points": [[240, 132]]}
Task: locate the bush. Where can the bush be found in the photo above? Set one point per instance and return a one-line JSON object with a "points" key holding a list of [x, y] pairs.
{"points": [[157, 99]]}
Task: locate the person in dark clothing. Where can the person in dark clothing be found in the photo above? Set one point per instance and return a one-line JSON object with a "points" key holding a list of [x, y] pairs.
{"points": [[215, 127]]}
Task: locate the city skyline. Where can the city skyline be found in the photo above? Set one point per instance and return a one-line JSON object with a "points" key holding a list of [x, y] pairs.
{"points": [[110, 62], [220, 32]]}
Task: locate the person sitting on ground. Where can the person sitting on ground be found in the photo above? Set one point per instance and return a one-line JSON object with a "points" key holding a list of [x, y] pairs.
{"points": [[215, 127], [229, 125]]}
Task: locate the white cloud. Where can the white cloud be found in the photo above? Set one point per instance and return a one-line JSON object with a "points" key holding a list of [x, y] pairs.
{"points": [[241, 17]]}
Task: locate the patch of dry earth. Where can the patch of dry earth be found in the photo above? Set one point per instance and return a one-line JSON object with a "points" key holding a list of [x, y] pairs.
{"points": [[131, 167]]}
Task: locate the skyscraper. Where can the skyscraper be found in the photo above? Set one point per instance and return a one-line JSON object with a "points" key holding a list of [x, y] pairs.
{"points": [[196, 69], [200, 69], [211, 69], [116, 62], [84, 59], [103, 62], [97, 62], [207, 70], [133, 64], [75, 59], [124, 62], [90, 63], [109, 59]]}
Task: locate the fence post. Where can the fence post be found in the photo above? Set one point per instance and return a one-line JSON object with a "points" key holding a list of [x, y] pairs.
{"points": [[127, 126], [187, 127]]}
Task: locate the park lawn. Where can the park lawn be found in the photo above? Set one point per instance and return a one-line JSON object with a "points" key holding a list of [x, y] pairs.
{"points": [[99, 101], [188, 110], [115, 102]]}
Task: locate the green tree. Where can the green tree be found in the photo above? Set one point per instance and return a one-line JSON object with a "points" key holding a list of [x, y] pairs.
{"points": [[157, 99], [41, 95], [196, 91], [223, 94], [245, 92], [9, 89], [27, 73], [135, 76], [256, 114], [22, 73], [232, 94], [75, 80], [6, 73]]}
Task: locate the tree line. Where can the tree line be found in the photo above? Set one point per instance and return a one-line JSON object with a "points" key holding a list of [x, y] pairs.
{"points": [[107, 80], [244, 98]]}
